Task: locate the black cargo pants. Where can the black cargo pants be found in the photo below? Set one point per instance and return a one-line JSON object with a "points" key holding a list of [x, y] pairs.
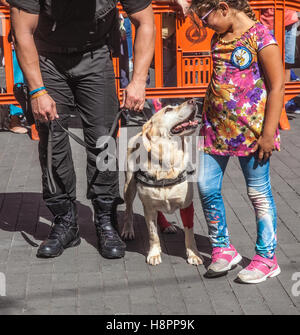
{"points": [[84, 81]]}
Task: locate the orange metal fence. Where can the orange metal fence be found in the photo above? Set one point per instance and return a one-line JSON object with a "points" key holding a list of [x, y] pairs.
{"points": [[8, 97], [192, 53]]}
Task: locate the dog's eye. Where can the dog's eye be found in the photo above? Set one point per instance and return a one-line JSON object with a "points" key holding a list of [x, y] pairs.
{"points": [[168, 109]]}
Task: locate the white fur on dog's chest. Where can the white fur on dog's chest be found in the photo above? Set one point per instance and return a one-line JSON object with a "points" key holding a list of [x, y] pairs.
{"points": [[166, 199]]}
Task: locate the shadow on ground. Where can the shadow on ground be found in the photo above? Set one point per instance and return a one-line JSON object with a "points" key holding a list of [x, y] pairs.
{"points": [[171, 244], [26, 212]]}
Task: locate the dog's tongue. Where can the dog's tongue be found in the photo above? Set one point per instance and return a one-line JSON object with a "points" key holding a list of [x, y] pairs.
{"points": [[187, 124]]}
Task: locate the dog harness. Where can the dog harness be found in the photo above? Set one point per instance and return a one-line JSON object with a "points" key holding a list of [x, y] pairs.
{"points": [[146, 179]]}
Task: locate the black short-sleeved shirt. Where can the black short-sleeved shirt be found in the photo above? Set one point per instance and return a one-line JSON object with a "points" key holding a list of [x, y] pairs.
{"points": [[76, 26]]}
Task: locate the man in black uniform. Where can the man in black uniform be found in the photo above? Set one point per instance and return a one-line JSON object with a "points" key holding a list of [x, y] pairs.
{"points": [[63, 47]]}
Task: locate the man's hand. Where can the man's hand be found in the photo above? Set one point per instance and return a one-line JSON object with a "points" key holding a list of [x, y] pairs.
{"points": [[264, 146], [134, 96], [4, 3], [44, 108]]}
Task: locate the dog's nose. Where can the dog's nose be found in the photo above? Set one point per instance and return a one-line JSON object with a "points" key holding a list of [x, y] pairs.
{"points": [[192, 102]]}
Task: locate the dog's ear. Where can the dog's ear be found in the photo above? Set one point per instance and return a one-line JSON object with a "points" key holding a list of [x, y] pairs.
{"points": [[146, 135]]}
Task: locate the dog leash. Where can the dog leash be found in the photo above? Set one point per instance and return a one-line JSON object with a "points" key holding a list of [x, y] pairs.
{"points": [[50, 179], [21, 93], [22, 96]]}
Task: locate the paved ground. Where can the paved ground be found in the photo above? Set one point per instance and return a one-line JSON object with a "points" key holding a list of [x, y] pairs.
{"points": [[82, 282]]}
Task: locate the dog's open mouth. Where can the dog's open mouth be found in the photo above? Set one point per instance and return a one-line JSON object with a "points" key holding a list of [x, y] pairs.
{"points": [[187, 124]]}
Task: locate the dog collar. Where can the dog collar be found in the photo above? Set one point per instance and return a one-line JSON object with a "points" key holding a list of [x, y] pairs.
{"points": [[146, 179]]}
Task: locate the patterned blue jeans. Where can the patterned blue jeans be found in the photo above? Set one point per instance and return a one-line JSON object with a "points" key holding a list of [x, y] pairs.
{"points": [[257, 177]]}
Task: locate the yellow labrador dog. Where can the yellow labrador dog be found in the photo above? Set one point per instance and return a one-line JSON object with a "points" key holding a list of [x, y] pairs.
{"points": [[157, 170]]}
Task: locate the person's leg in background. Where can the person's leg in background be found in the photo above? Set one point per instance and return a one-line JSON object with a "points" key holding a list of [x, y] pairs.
{"points": [[264, 263], [124, 55], [169, 60], [290, 52], [16, 112], [290, 49], [127, 26], [60, 201], [224, 255], [97, 103], [170, 67]]}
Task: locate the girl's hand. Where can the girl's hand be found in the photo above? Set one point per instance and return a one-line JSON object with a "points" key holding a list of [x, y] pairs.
{"points": [[265, 146], [4, 3], [185, 5], [44, 108]]}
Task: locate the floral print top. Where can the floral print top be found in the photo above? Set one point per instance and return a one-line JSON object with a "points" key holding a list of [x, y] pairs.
{"points": [[234, 107]]}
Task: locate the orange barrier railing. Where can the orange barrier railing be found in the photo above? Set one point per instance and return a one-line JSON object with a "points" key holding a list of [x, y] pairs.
{"points": [[193, 53], [8, 97], [193, 57]]}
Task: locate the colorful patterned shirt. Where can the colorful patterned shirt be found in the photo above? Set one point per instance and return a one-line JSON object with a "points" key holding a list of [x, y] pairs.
{"points": [[235, 102]]}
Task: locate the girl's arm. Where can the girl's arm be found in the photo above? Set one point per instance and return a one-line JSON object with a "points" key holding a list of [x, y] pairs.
{"points": [[270, 60]]}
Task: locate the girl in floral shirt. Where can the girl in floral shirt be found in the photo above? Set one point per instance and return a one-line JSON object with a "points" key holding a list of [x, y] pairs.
{"points": [[241, 112]]}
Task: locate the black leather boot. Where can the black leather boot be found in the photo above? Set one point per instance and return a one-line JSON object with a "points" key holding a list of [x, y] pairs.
{"points": [[64, 231], [109, 241]]}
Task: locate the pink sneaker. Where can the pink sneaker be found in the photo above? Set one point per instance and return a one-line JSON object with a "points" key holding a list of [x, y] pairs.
{"points": [[259, 270], [223, 260]]}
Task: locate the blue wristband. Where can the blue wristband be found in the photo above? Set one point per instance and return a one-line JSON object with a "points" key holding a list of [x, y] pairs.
{"points": [[37, 90]]}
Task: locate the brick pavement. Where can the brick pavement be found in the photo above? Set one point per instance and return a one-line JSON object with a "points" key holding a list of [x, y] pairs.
{"points": [[82, 282]]}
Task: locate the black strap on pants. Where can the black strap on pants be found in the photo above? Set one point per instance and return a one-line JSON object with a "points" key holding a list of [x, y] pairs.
{"points": [[50, 179]]}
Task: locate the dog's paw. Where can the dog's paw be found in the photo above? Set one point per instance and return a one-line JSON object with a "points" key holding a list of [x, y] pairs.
{"points": [[154, 260], [154, 255], [170, 230], [127, 235], [194, 258]]}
